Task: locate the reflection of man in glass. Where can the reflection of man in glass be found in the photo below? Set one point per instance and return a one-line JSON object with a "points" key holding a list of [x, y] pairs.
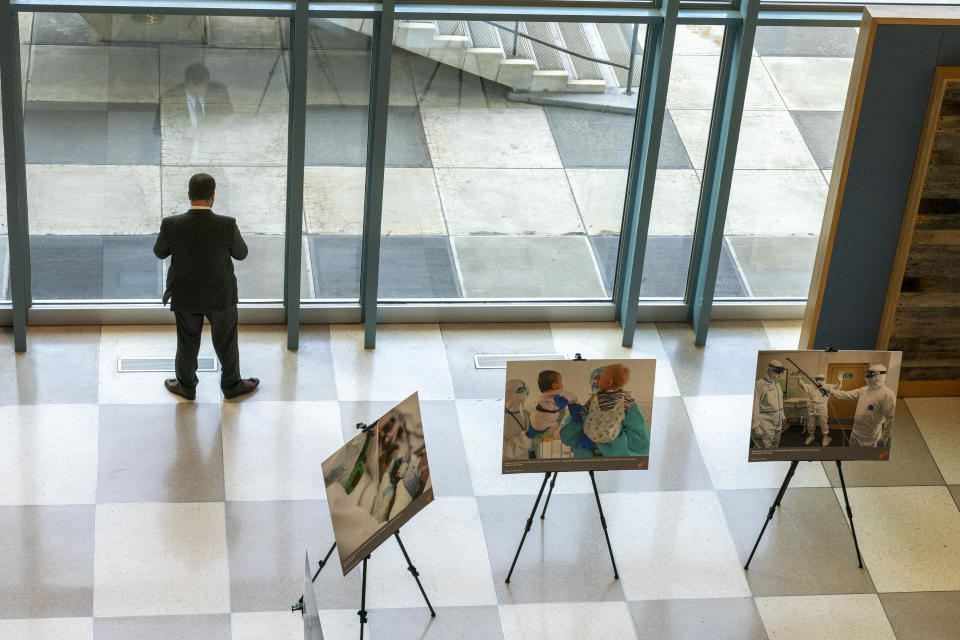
{"points": [[203, 99]]}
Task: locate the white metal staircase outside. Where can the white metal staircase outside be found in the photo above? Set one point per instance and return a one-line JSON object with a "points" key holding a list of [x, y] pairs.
{"points": [[555, 57]]}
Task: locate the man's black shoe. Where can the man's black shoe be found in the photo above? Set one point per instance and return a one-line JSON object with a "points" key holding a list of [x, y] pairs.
{"points": [[173, 386], [241, 388]]}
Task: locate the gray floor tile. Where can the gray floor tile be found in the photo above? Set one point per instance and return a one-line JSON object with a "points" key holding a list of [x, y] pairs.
{"points": [[806, 41], [675, 461], [46, 561], [208, 627], [160, 453], [260, 274], [410, 267], [820, 130], [63, 28], [665, 266], [597, 139], [727, 364], [91, 133], [564, 558], [306, 373], [774, 267], [462, 341], [717, 619], [910, 461], [807, 549], [60, 366], [445, 451], [337, 136], [955, 492], [266, 542], [130, 270], [66, 267], [923, 616], [451, 623]]}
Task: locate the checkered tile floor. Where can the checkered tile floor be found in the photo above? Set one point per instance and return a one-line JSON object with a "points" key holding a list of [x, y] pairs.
{"points": [[127, 514]]}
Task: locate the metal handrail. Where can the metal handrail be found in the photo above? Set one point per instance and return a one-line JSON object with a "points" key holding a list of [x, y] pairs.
{"points": [[517, 32]]}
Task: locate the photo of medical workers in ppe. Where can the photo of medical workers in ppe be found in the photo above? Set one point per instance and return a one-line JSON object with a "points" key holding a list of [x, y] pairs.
{"points": [[824, 405], [377, 481], [568, 415]]}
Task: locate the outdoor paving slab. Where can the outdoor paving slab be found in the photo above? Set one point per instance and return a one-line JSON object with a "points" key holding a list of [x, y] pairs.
{"points": [[247, 32], [806, 41], [93, 74], [698, 39], [255, 196], [410, 267], [333, 201], [91, 133], [768, 140], [242, 75], [596, 139], [440, 85], [820, 130], [508, 201], [61, 28], [527, 267], [260, 275], [130, 270], [665, 265], [244, 137], [776, 202], [337, 77], [774, 266], [82, 199], [693, 83], [600, 194], [491, 138], [338, 136], [817, 84]]}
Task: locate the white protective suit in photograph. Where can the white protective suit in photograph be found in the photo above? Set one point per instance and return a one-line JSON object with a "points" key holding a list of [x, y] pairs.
{"points": [[873, 418], [768, 416], [516, 420]]}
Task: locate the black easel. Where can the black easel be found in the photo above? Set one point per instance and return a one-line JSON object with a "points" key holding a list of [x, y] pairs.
{"points": [[363, 589], [783, 489], [543, 515]]}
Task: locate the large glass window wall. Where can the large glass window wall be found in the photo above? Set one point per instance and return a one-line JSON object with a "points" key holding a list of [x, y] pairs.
{"points": [[119, 111], [507, 152], [788, 140]]}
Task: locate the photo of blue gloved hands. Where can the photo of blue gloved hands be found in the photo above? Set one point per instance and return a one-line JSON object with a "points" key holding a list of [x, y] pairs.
{"points": [[533, 433], [576, 410], [587, 443]]}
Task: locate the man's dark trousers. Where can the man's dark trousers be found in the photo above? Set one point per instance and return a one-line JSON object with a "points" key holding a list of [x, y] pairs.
{"points": [[223, 330]]}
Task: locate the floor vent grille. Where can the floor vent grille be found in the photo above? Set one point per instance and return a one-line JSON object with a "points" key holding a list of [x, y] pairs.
{"points": [[140, 365]]}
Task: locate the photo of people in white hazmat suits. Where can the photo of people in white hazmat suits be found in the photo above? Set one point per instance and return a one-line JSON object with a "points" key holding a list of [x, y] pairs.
{"points": [[824, 405], [577, 415], [377, 481]]}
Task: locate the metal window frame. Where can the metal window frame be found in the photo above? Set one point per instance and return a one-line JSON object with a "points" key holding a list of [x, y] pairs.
{"points": [[740, 18]]}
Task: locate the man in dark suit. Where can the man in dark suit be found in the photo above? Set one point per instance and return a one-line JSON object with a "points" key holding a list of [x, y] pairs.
{"points": [[201, 283]]}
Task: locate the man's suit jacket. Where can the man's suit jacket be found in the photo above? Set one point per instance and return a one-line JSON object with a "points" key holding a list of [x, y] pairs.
{"points": [[203, 246]]}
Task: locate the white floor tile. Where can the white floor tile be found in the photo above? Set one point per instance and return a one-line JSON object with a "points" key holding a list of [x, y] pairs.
{"points": [[937, 420], [446, 545], [48, 454], [783, 334], [673, 545], [337, 624], [408, 358], [493, 138], [160, 559], [811, 82], [909, 537], [508, 201], [603, 340], [47, 629], [333, 201], [79, 199], [481, 423], [722, 426], [147, 388], [273, 450], [852, 617], [567, 621]]}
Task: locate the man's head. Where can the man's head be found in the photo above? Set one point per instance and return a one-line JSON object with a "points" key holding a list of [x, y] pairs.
{"points": [[201, 189], [549, 380], [876, 376], [197, 79], [821, 378], [775, 369]]}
